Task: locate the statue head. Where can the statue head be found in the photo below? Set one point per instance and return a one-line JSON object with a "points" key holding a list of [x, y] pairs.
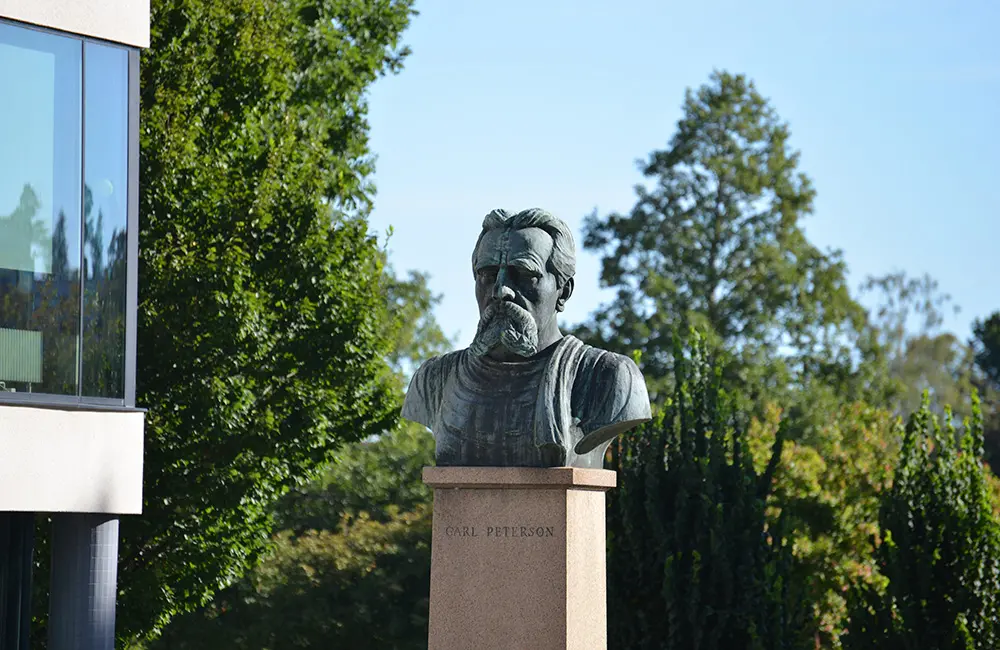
{"points": [[523, 265]]}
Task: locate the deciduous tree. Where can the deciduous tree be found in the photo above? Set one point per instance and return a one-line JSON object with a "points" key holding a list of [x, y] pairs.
{"points": [[985, 346], [364, 584], [920, 356], [827, 490], [715, 241], [263, 325], [350, 564]]}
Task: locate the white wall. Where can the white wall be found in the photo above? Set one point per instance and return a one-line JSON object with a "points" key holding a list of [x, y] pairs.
{"points": [[70, 461], [122, 21]]}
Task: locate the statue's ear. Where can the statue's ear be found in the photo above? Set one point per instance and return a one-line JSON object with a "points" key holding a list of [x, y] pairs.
{"points": [[564, 294]]}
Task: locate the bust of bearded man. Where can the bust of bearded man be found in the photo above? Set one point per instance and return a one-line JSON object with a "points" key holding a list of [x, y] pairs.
{"points": [[523, 394]]}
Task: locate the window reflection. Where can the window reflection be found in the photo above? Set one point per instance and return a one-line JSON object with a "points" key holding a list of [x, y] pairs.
{"points": [[39, 211], [105, 219]]}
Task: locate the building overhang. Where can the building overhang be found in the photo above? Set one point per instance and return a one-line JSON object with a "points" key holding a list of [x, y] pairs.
{"points": [[71, 460], [121, 21]]}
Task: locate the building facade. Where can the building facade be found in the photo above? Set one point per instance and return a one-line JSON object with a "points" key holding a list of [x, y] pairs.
{"points": [[71, 437]]}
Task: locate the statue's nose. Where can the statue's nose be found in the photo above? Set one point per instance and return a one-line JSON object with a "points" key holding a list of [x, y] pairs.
{"points": [[500, 289]]}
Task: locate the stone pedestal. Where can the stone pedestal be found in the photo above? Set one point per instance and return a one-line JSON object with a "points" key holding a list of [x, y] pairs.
{"points": [[518, 558]]}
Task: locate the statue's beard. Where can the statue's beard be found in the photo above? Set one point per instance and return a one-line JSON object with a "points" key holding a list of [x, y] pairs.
{"points": [[508, 324]]}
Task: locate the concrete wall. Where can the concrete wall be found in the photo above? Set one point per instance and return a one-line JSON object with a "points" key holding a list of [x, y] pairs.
{"points": [[70, 461], [122, 21]]}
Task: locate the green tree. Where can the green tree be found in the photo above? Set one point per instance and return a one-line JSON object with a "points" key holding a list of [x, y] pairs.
{"points": [[376, 477], [715, 241], [351, 563], [692, 562], [419, 336], [382, 474], [985, 347], [827, 492], [986, 343], [938, 545], [919, 356], [263, 325], [364, 584], [350, 567]]}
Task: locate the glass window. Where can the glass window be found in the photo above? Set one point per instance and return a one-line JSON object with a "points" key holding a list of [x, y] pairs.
{"points": [[40, 211], [105, 214]]}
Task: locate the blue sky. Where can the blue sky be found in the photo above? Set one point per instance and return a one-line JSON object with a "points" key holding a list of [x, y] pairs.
{"points": [[894, 106], [26, 129], [40, 135]]}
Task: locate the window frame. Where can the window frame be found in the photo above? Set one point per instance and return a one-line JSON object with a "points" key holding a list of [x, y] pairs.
{"points": [[80, 400]]}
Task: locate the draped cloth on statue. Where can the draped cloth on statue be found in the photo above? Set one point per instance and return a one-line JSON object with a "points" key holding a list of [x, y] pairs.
{"points": [[560, 407]]}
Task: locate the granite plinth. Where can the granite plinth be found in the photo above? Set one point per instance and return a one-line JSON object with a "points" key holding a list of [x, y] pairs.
{"points": [[518, 558]]}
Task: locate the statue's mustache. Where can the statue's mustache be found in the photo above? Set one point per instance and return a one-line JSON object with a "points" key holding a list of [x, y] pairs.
{"points": [[506, 323]]}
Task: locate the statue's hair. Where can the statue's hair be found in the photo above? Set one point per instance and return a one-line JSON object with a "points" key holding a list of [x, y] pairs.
{"points": [[562, 262]]}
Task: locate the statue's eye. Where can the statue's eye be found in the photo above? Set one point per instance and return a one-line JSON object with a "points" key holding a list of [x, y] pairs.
{"points": [[521, 277], [487, 275]]}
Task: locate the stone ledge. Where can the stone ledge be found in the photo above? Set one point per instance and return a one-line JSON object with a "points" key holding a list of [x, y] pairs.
{"points": [[70, 461], [121, 21], [522, 478]]}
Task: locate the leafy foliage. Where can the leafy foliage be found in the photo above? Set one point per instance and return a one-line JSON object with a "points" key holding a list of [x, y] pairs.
{"points": [[263, 320], [691, 560], [349, 568], [715, 242], [358, 532], [938, 545], [919, 356], [828, 490], [363, 585], [382, 473], [419, 336], [376, 477], [986, 341], [985, 347]]}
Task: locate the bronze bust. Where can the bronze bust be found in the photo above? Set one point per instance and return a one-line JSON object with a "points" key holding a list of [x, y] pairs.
{"points": [[523, 394]]}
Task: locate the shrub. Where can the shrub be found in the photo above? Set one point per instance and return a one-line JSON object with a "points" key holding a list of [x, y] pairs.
{"points": [[691, 561], [938, 545]]}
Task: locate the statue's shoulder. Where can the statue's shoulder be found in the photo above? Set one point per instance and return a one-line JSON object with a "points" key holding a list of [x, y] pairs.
{"points": [[610, 369], [439, 366], [609, 388], [426, 389]]}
